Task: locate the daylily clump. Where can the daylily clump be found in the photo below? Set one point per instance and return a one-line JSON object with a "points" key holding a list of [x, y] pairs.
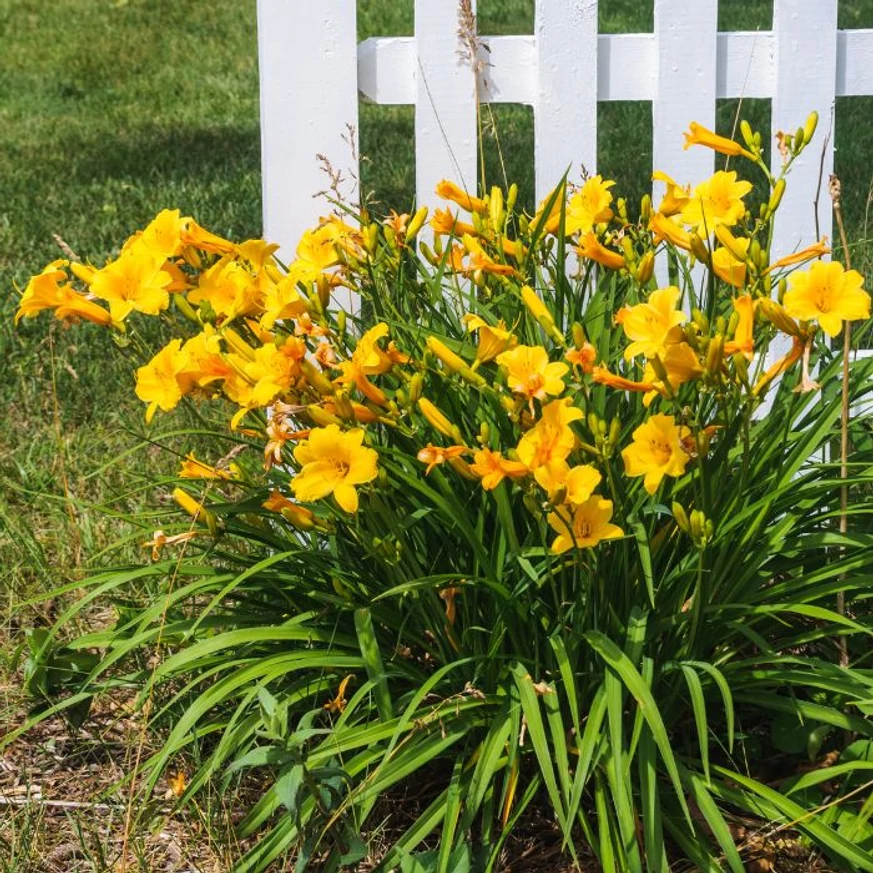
{"points": [[551, 390]]}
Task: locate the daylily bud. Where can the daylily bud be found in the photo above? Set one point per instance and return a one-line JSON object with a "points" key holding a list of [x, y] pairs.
{"points": [[322, 286], [344, 406], [511, 197], [434, 417], [321, 417], [729, 241], [484, 433], [776, 195], [416, 224], [627, 247], [540, 312], [777, 316], [645, 209], [298, 516], [462, 468], [341, 322], [681, 518], [593, 423], [699, 249], [416, 383], [714, 355], [237, 344], [782, 288], [450, 360], [495, 208], [810, 126], [703, 439], [748, 136], [732, 324], [755, 253], [559, 495], [741, 368], [316, 379], [614, 433], [578, 333], [660, 370], [698, 528], [645, 268], [700, 319], [430, 256], [454, 362], [798, 140]]}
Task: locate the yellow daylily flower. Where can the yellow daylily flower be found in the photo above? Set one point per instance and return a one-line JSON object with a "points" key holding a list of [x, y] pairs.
{"points": [[551, 438], [450, 191], [163, 235], [718, 200], [493, 340], [828, 294], [675, 197], [492, 468], [699, 135], [744, 336], [530, 373], [137, 281], [727, 267], [574, 485], [161, 382], [588, 206], [229, 288], [657, 451], [45, 291], [583, 526], [333, 462], [653, 324], [591, 248]]}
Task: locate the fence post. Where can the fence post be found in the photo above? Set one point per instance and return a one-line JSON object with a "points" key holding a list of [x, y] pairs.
{"points": [[309, 105], [565, 114], [445, 108]]}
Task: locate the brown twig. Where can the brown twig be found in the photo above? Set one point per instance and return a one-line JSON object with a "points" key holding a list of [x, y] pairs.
{"points": [[821, 163], [834, 189]]}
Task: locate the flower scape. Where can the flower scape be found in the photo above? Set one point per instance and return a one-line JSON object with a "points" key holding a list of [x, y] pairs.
{"points": [[536, 521]]}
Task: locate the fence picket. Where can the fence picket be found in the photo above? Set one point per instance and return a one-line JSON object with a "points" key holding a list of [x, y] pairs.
{"points": [[565, 114], [806, 61], [686, 43], [445, 103], [309, 106]]}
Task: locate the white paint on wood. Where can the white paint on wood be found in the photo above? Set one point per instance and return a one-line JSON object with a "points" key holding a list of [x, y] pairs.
{"points": [[565, 113], [445, 104], [309, 98], [854, 63], [863, 406], [806, 60], [685, 85], [686, 45], [386, 70], [745, 64]]}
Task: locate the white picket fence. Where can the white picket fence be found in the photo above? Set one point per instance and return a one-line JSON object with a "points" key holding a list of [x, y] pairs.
{"points": [[313, 71]]}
